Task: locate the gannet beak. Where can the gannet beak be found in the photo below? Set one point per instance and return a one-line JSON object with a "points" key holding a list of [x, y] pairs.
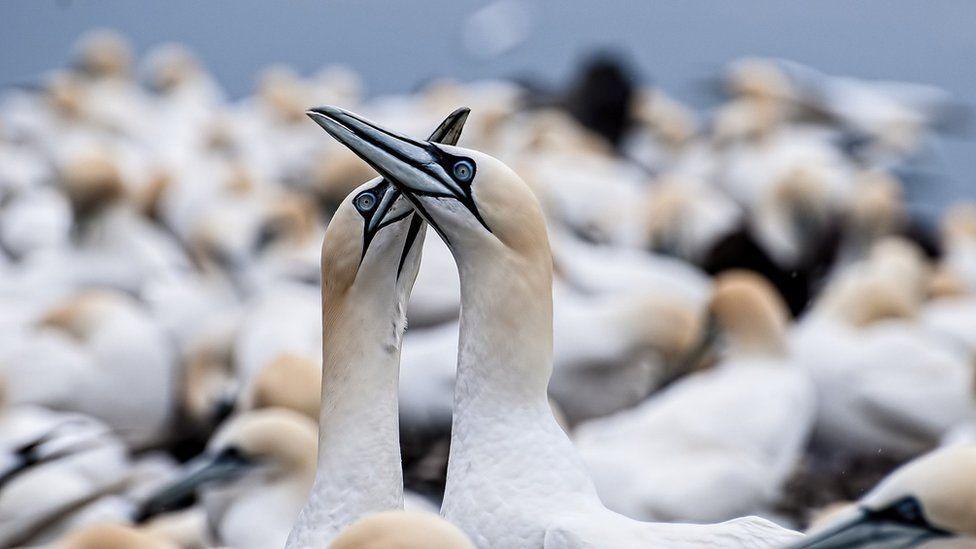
{"points": [[901, 524], [203, 470], [10, 470], [396, 157], [703, 348], [414, 167]]}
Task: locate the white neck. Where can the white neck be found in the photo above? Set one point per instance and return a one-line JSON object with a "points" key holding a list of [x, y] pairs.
{"points": [[359, 468], [504, 436]]}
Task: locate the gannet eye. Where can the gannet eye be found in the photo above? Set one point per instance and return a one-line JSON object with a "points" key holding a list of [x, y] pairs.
{"points": [[365, 202], [463, 170]]}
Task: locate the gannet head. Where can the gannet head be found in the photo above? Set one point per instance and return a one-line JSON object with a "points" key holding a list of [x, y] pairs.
{"points": [[103, 52], [112, 536], [169, 66], [375, 239], [252, 449], [289, 381], [471, 199], [959, 223], [92, 180], [759, 79], [402, 530], [748, 314], [930, 497]]}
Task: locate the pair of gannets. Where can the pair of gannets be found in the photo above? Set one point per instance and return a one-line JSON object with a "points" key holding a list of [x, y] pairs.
{"points": [[514, 477]]}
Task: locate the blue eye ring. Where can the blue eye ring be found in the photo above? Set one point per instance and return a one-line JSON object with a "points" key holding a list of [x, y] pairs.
{"points": [[365, 202], [463, 170]]}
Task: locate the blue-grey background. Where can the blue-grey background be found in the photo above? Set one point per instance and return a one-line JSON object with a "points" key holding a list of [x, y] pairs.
{"points": [[395, 45]]}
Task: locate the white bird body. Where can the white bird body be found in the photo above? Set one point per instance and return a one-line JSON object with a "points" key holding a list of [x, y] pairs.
{"points": [[888, 387], [953, 317], [681, 456], [594, 269], [285, 319], [103, 356]]}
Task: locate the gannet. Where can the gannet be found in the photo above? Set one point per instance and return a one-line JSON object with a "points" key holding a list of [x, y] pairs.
{"points": [[101, 354], [885, 384], [253, 478], [514, 478], [680, 455], [927, 500]]}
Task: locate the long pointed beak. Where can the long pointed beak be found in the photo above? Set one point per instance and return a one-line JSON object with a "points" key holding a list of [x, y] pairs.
{"points": [[889, 527], [408, 163], [200, 472], [10, 470]]}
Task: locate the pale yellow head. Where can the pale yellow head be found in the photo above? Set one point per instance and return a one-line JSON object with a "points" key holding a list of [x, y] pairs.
{"points": [[284, 440], [402, 530], [749, 313], [289, 381], [943, 482], [112, 536]]}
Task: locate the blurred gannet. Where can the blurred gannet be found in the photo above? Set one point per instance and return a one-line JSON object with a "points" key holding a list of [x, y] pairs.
{"points": [[289, 381], [401, 530], [681, 456], [98, 353], [112, 536], [253, 478], [514, 478], [926, 500], [53, 465], [885, 384]]}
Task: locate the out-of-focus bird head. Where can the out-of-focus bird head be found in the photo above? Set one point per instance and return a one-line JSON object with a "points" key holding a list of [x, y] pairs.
{"points": [[758, 79], [891, 282], [112, 536], [402, 530], [959, 223], [82, 313], [284, 94], [876, 208], [103, 53], [169, 66], [65, 93], [92, 180], [248, 451], [291, 218], [668, 119], [747, 315], [289, 381]]}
